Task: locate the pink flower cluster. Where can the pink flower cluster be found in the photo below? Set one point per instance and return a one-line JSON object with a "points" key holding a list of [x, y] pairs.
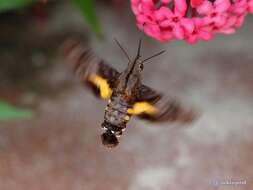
{"points": [[189, 20]]}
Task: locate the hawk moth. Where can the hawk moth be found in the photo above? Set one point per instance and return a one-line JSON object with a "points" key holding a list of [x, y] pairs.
{"points": [[126, 94]]}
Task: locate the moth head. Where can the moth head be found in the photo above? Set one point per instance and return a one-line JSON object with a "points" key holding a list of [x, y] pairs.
{"points": [[140, 65], [138, 62]]}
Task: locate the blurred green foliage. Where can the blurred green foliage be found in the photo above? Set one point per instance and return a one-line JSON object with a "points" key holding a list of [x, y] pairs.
{"points": [[86, 7], [9, 112], [7, 5], [88, 10]]}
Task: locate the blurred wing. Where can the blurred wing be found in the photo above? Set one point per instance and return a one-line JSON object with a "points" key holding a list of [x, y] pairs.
{"points": [[155, 107], [92, 71]]}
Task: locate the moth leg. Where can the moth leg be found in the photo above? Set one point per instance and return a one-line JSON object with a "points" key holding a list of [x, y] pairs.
{"points": [[102, 85], [142, 107]]}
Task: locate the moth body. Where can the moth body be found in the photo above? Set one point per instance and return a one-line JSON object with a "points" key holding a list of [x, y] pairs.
{"points": [[123, 97]]}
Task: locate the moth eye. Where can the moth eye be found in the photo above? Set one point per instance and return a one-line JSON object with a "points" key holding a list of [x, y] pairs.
{"points": [[141, 66]]}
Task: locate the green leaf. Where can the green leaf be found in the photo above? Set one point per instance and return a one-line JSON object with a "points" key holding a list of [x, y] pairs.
{"points": [[88, 11], [6, 5], [9, 112]]}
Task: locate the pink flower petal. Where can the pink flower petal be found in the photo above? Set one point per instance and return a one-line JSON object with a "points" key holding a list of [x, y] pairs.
{"points": [[220, 20], [178, 32], [222, 5], [167, 36], [227, 31], [192, 39], [163, 12], [187, 24], [180, 7], [196, 3], [205, 8], [239, 21], [250, 6], [165, 1], [165, 23], [205, 35], [230, 22]]}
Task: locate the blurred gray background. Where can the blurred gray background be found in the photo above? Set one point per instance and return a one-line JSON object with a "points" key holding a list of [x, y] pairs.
{"points": [[60, 148]]}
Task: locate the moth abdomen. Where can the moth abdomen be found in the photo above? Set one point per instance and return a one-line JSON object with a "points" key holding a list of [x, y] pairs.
{"points": [[116, 116], [116, 111]]}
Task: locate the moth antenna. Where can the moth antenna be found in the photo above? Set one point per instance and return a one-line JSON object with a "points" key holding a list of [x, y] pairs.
{"points": [[155, 55], [122, 49], [139, 49]]}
